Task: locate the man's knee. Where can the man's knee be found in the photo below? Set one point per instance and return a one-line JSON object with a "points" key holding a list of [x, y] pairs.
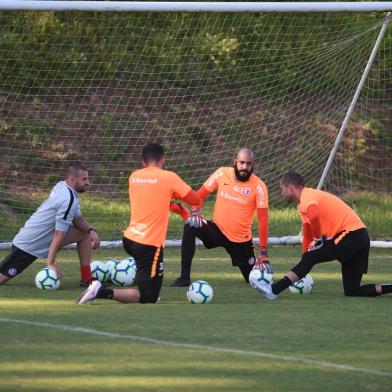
{"points": [[350, 291], [148, 298]]}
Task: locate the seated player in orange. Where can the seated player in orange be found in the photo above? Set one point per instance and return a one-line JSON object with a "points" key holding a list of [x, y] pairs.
{"points": [[240, 194], [150, 192], [331, 231]]}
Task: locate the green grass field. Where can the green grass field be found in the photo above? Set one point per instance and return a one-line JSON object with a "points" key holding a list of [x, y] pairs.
{"points": [[239, 342]]}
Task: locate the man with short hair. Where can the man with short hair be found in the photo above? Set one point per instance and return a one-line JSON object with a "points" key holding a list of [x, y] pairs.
{"points": [[150, 192], [240, 194], [331, 231], [56, 223]]}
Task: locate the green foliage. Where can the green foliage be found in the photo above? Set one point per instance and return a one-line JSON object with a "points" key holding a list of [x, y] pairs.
{"points": [[179, 47]]}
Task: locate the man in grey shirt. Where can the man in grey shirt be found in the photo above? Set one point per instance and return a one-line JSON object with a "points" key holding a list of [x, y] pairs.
{"points": [[56, 223]]}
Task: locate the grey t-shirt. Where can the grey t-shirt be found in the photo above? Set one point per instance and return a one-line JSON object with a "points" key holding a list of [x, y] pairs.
{"points": [[56, 213]]}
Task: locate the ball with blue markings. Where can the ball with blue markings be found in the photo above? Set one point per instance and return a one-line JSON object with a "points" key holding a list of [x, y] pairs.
{"points": [[200, 292], [47, 279]]}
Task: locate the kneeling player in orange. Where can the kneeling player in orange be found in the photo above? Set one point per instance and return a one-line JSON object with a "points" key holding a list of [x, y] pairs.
{"points": [[331, 231], [150, 192], [240, 194]]}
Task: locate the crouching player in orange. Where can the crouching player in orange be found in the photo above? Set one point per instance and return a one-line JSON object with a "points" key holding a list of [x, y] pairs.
{"points": [[240, 194], [331, 231], [150, 192]]}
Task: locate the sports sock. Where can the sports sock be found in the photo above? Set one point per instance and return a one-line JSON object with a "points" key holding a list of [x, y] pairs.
{"points": [[105, 293], [281, 285], [85, 273], [386, 288]]}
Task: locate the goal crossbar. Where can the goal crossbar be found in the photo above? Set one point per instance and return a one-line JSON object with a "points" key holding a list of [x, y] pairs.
{"points": [[175, 6]]}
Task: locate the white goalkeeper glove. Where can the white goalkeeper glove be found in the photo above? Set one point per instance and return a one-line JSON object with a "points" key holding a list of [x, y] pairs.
{"points": [[196, 219]]}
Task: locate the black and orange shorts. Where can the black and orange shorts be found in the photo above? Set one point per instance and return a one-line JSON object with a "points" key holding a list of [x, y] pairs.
{"points": [[150, 269]]}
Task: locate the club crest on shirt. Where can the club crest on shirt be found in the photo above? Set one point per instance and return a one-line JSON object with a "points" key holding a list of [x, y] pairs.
{"points": [[245, 191]]}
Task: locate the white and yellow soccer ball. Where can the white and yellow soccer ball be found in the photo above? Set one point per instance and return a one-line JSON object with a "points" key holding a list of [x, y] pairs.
{"points": [[124, 273], [259, 277], [99, 270], [200, 292], [110, 265], [47, 279], [303, 286]]}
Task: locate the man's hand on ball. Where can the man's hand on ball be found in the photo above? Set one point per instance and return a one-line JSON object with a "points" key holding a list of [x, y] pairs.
{"points": [[262, 261], [55, 269], [196, 219]]}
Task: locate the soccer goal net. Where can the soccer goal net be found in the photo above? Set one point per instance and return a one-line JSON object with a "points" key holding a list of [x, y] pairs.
{"points": [[94, 82]]}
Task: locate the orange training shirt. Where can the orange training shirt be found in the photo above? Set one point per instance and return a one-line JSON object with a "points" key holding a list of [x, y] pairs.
{"points": [[150, 192], [236, 202], [334, 214]]}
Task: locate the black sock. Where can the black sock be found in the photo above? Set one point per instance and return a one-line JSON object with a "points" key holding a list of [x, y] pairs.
{"points": [[105, 293], [386, 288], [281, 285]]}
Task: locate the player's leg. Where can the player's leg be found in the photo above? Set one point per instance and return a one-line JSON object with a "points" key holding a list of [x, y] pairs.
{"points": [[242, 256], [149, 275], [208, 234], [14, 264], [327, 252], [83, 243], [354, 258], [352, 287]]}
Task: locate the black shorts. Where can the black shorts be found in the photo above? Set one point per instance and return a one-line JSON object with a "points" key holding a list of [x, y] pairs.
{"points": [[150, 268], [16, 262], [350, 248], [241, 253], [353, 251]]}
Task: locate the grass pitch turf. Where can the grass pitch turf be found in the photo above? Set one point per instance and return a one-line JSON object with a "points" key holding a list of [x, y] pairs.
{"points": [[291, 344]]}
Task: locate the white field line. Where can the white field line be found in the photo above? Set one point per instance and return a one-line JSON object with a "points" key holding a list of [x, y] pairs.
{"points": [[193, 346]]}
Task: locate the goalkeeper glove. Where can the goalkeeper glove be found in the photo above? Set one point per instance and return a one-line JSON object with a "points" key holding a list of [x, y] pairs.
{"points": [[179, 209], [262, 261], [196, 220]]}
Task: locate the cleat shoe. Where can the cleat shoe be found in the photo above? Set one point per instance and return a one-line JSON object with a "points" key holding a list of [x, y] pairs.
{"points": [[90, 293], [181, 282], [266, 290]]}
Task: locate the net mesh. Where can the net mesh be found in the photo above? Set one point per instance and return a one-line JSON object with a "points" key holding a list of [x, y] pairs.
{"points": [[96, 87]]}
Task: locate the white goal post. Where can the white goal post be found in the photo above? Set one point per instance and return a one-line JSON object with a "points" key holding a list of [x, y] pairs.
{"points": [[203, 85], [189, 6]]}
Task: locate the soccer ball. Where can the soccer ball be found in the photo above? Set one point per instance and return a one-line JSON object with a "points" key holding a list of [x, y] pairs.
{"points": [[47, 279], [200, 292], [303, 286], [99, 270], [130, 260], [258, 277], [124, 273], [110, 265]]}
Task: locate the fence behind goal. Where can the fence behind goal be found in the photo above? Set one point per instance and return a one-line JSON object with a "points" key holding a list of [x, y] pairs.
{"points": [[96, 87]]}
